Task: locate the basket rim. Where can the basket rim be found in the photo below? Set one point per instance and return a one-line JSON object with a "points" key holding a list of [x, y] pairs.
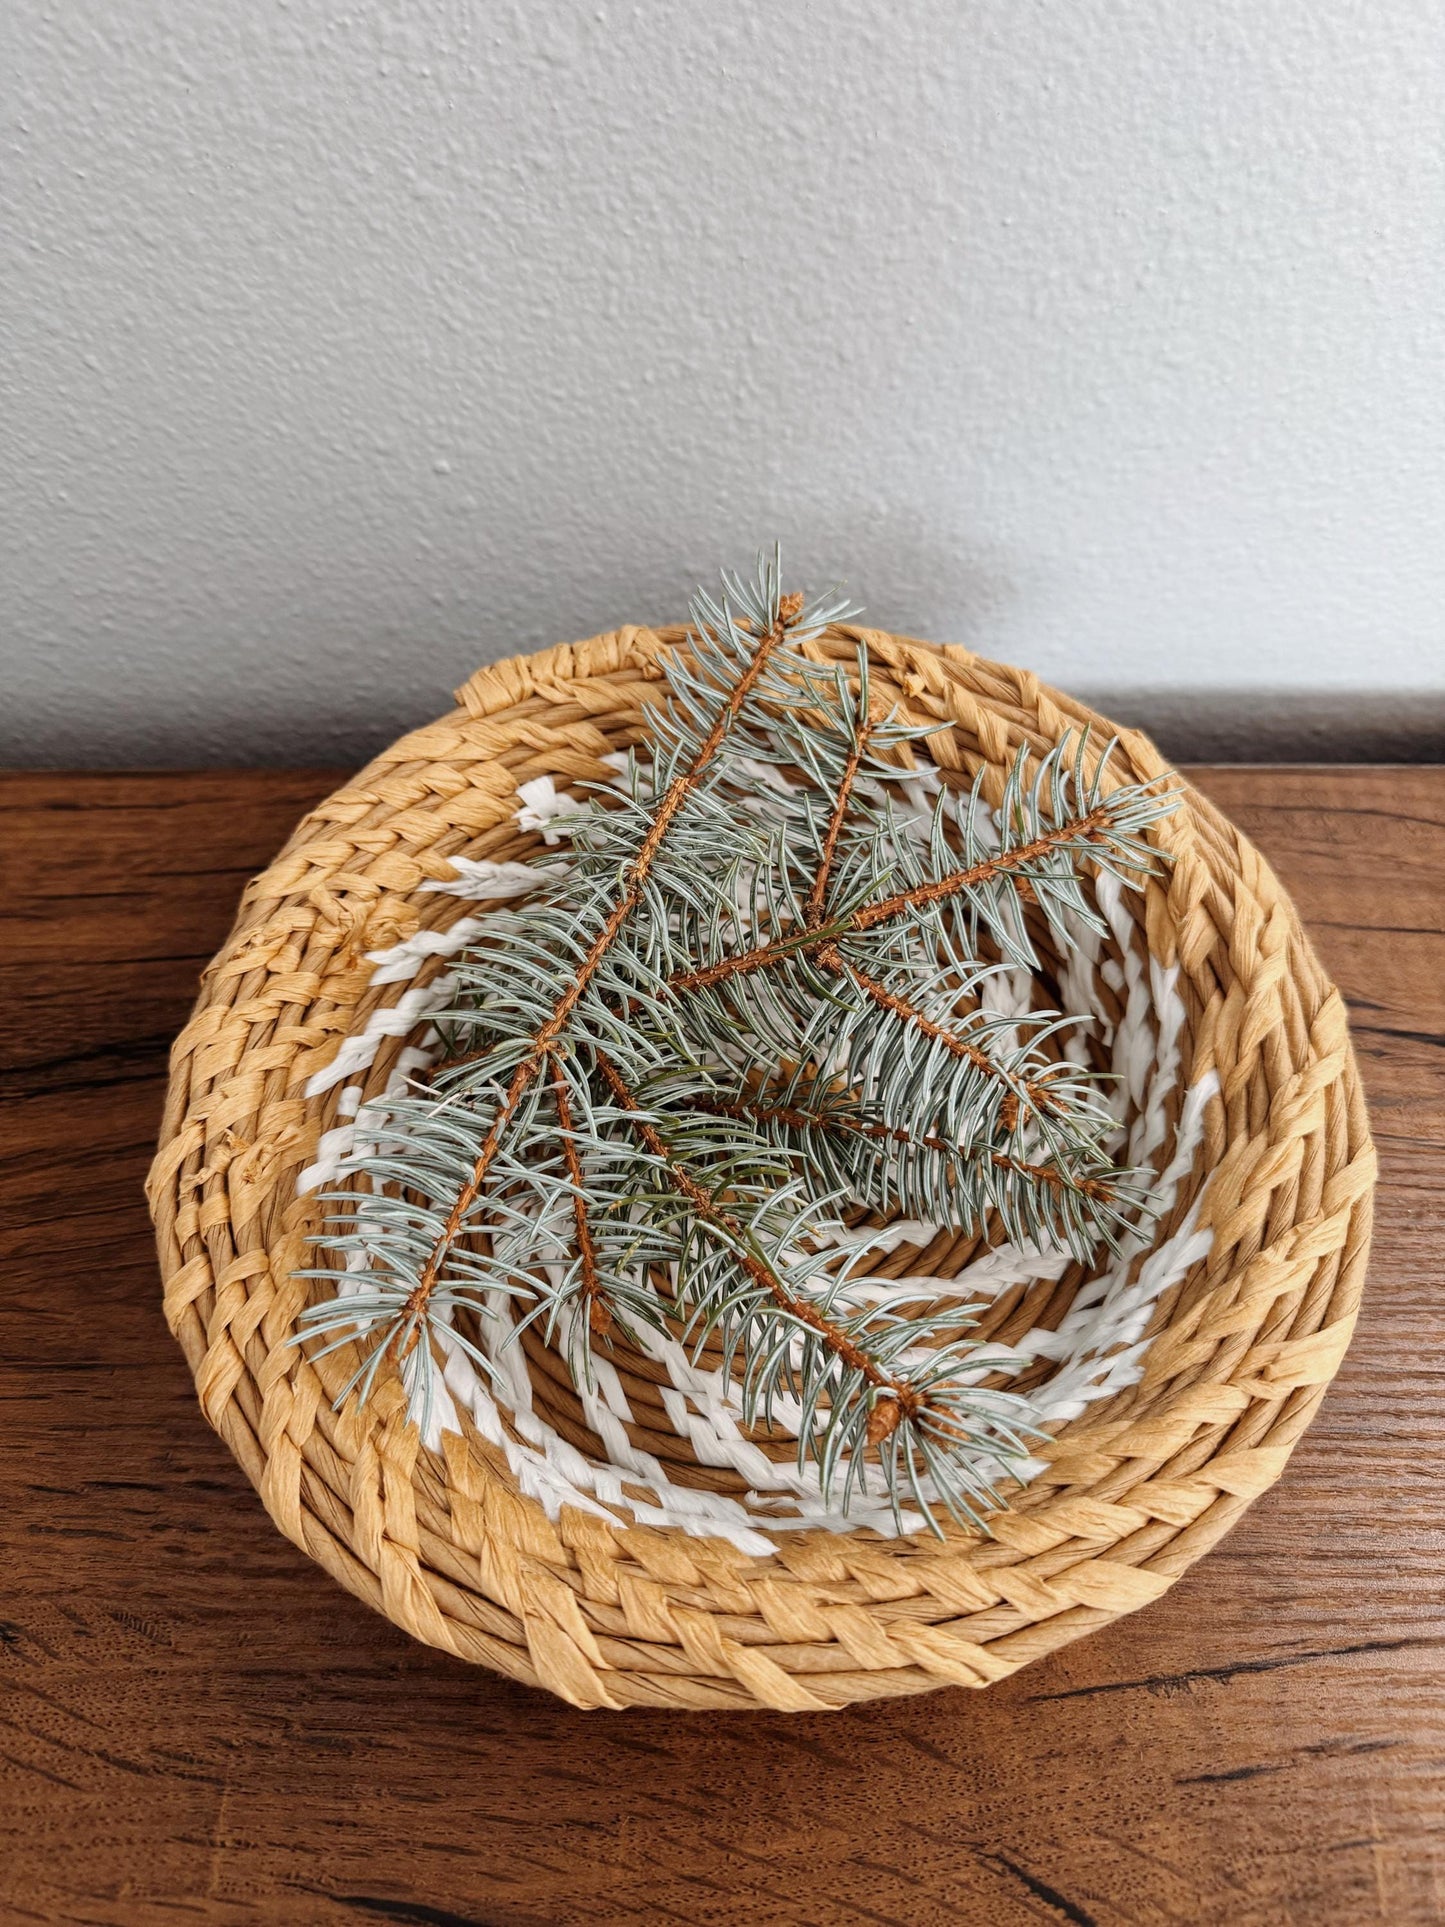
{"points": [[447, 1546]]}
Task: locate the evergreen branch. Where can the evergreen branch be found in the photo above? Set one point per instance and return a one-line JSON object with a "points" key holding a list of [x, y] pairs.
{"points": [[1090, 827], [754, 1111], [421, 1293], [900, 1399], [627, 901], [1018, 1088], [591, 1132], [1104, 1189], [1087, 829]]}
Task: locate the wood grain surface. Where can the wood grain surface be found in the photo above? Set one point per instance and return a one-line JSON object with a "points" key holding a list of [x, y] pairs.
{"points": [[197, 1725]]}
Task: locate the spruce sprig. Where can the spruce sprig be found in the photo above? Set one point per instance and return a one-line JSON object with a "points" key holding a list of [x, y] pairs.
{"points": [[758, 999]]}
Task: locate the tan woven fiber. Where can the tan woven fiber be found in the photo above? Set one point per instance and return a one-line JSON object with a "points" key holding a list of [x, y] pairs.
{"points": [[444, 1543]]}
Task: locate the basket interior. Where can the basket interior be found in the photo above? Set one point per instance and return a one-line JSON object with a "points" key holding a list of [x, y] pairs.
{"points": [[648, 1443]]}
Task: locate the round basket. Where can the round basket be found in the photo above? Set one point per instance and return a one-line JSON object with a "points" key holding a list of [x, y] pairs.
{"points": [[633, 1550]]}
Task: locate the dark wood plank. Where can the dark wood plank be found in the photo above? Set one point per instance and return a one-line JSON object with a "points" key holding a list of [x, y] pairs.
{"points": [[195, 1724]]}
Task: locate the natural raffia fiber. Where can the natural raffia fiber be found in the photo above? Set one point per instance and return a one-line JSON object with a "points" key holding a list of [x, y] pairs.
{"points": [[446, 1545]]}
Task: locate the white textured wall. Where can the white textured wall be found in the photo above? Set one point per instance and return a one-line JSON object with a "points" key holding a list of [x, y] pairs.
{"points": [[352, 344]]}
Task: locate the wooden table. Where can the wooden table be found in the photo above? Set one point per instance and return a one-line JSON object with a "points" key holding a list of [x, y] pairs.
{"points": [[197, 1725]]}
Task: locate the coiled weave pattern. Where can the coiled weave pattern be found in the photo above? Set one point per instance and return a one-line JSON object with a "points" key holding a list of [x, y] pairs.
{"points": [[445, 1544]]}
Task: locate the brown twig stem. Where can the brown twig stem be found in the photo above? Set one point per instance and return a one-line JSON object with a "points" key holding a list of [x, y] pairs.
{"points": [[817, 896], [599, 1312]]}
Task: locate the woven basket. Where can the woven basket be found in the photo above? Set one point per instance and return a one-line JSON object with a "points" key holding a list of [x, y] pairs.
{"points": [[591, 1600]]}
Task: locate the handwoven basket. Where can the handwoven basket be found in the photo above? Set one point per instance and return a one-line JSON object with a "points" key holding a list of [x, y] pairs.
{"points": [[624, 1597]]}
